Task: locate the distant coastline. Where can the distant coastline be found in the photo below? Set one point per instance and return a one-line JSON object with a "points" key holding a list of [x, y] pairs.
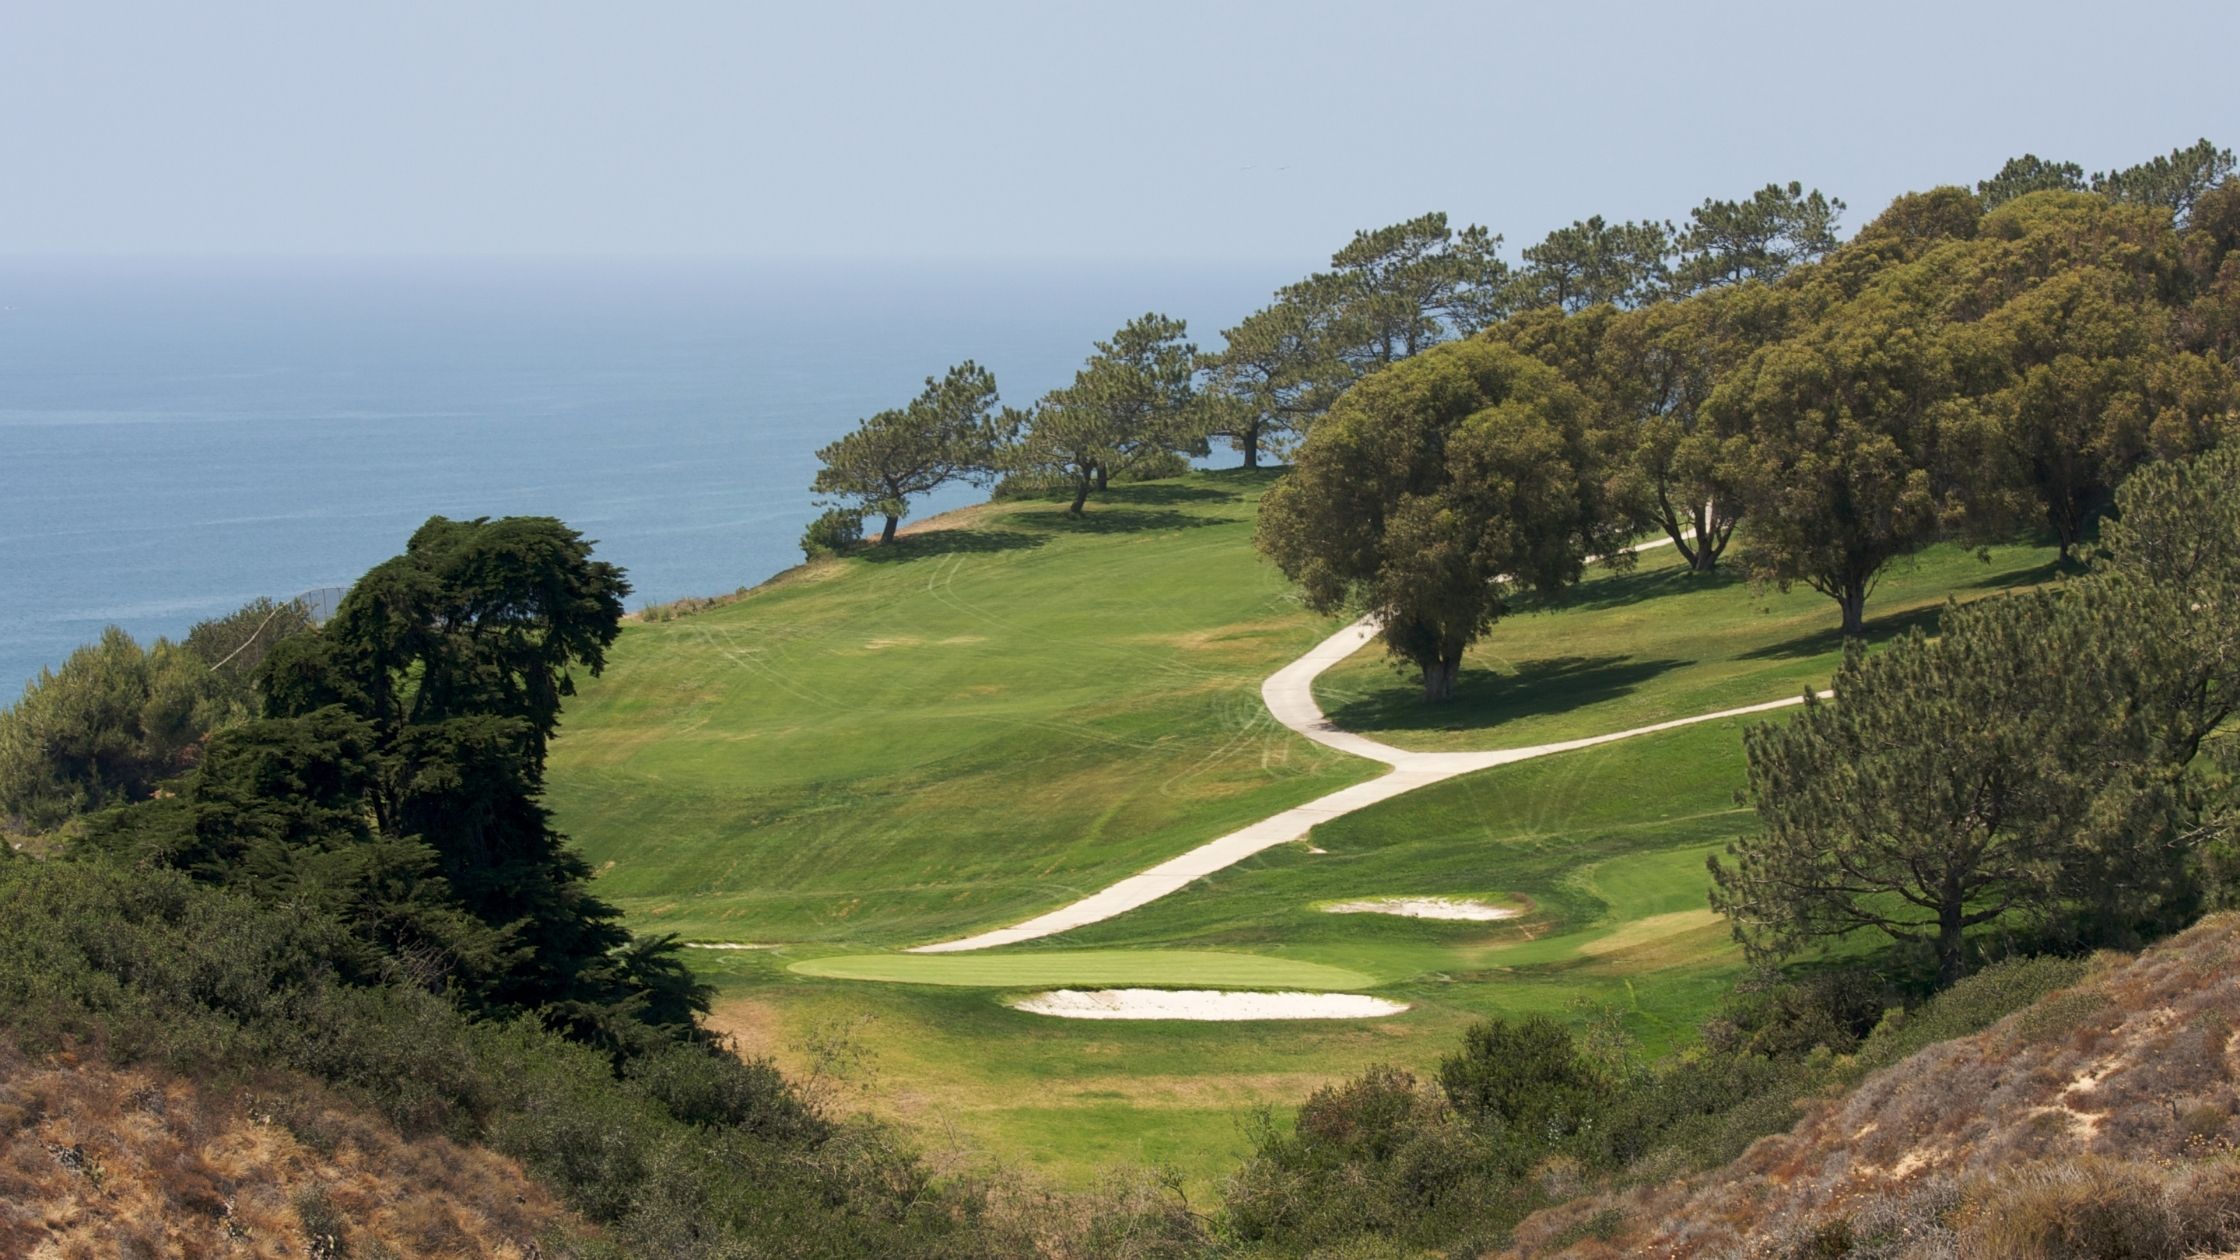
{"points": [[186, 436]]}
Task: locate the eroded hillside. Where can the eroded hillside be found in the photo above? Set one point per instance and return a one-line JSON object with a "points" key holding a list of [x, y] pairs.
{"points": [[98, 1162], [2098, 1122]]}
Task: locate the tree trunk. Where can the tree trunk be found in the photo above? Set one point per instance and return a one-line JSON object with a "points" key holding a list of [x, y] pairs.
{"points": [[1251, 444], [1080, 494], [1439, 678], [1952, 943], [1706, 555], [1104, 478], [1854, 603], [887, 535]]}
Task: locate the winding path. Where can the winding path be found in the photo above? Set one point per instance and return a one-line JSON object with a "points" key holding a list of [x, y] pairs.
{"points": [[1289, 695]]}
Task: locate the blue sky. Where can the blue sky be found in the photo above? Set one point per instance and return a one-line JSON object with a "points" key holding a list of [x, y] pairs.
{"points": [[1132, 130]]}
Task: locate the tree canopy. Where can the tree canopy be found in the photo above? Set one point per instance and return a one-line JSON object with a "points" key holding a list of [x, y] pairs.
{"points": [[2172, 182], [2028, 174], [946, 434], [1593, 262], [2032, 762], [1133, 402], [395, 781], [1437, 490], [1398, 290], [1761, 238], [1274, 375], [1841, 473]]}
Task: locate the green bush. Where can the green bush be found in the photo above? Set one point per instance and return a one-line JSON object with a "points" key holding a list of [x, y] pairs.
{"points": [[1527, 1078], [1381, 1158], [690, 1153], [112, 723], [836, 531]]}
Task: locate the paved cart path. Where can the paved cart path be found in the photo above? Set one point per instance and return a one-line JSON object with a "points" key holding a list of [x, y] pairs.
{"points": [[1289, 695]]}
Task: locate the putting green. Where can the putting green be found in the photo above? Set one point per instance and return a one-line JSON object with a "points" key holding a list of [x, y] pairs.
{"points": [[1164, 967]]}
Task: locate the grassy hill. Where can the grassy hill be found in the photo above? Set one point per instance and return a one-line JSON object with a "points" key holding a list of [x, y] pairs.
{"points": [[994, 715], [1013, 708]]}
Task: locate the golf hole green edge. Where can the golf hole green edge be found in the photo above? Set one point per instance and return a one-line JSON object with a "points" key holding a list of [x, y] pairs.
{"points": [[1164, 968]]}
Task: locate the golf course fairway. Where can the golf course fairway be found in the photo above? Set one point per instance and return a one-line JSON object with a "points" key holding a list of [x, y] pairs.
{"points": [[1164, 967], [1013, 708]]}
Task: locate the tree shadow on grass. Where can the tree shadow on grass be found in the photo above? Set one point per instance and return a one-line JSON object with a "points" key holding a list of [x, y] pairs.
{"points": [[949, 542], [2035, 575], [1604, 589], [1110, 519], [1168, 492], [1486, 699], [1830, 640]]}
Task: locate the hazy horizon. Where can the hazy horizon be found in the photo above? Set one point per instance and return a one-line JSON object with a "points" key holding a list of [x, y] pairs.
{"points": [[1024, 133]]}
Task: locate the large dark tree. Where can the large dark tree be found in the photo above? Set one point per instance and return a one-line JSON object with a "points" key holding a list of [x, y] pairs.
{"points": [[453, 660], [1434, 493], [1929, 797]]}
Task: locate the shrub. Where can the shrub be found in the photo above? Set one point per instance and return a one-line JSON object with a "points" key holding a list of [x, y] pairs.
{"points": [[689, 1153], [2086, 1208], [1528, 1078], [832, 533], [113, 722], [1774, 1017], [722, 1091], [1380, 1157]]}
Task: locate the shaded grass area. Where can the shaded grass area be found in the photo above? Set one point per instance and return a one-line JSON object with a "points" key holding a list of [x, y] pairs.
{"points": [[1635, 648], [1162, 967], [977, 724]]}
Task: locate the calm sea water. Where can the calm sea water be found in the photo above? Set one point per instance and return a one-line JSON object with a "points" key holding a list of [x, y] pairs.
{"points": [[177, 438]]}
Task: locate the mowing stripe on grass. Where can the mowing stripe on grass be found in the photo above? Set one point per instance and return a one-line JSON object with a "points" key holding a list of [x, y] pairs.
{"points": [[1168, 967]]}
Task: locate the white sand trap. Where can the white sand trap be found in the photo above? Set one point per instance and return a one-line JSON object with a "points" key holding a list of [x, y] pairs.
{"points": [[1427, 908], [1205, 1004]]}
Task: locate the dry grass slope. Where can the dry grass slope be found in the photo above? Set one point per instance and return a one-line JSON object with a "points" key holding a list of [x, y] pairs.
{"points": [[98, 1164], [2098, 1122]]}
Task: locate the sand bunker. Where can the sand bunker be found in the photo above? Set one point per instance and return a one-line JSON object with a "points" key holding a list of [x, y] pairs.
{"points": [[1427, 908], [1206, 1004]]}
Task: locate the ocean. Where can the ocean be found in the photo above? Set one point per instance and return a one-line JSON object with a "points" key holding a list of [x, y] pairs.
{"points": [[178, 437]]}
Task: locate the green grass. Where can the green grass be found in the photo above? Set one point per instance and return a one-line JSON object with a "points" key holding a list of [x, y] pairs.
{"points": [[971, 727], [992, 719], [1612, 876], [1632, 649], [1163, 967]]}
